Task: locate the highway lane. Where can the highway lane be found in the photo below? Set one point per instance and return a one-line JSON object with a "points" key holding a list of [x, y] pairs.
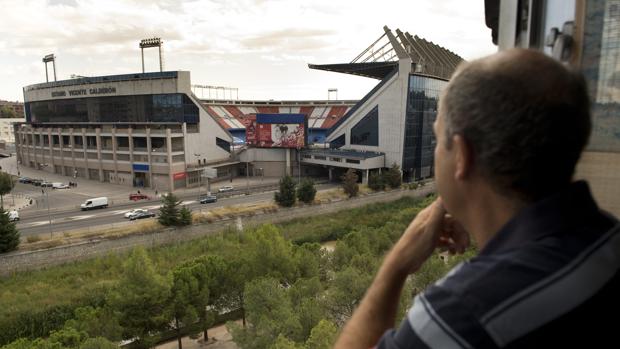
{"points": [[70, 220]]}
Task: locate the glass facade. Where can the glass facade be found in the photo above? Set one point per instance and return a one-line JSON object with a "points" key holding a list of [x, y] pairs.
{"points": [[366, 131], [338, 142], [601, 67], [422, 97], [175, 107]]}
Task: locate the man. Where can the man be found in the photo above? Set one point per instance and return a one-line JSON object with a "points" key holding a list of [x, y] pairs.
{"points": [[510, 130]]}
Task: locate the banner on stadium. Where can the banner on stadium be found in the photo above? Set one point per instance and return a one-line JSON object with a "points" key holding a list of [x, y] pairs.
{"points": [[277, 131]]}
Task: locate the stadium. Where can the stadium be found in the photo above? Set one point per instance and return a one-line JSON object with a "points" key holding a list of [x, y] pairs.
{"points": [[151, 129]]}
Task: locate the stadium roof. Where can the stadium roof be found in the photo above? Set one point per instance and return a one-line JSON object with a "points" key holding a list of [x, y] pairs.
{"points": [[380, 58]]}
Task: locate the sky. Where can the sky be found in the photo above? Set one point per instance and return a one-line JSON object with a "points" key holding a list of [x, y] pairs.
{"points": [[260, 47]]}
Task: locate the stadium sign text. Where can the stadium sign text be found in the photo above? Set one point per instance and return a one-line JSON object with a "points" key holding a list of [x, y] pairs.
{"points": [[85, 92]]}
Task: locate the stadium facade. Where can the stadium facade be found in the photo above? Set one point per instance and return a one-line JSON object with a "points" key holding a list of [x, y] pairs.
{"points": [[150, 130], [145, 130]]}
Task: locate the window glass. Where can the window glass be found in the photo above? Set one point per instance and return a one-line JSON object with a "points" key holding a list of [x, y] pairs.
{"points": [[366, 131], [601, 67]]}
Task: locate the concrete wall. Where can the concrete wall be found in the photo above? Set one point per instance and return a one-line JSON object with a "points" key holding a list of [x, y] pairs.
{"points": [[123, 88], [203, 142], [21, 261]]}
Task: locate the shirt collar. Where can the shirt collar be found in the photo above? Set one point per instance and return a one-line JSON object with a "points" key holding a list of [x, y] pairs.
{"points": [[548, 216]]}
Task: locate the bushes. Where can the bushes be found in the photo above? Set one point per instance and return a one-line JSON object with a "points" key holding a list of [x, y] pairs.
{"points": [[306, 191], [285, 197], [349, 183]]}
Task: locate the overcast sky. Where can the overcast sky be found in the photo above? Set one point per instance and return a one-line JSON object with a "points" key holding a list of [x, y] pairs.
{"points": [[261, 47]]}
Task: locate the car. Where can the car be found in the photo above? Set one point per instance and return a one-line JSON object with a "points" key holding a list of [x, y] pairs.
{"points": [[36, 182], [25, 180], [13, 215], [58, 185], [141, 215], [226, 188], [46, 184], [205, 199], [138, 196], [135, 211]]}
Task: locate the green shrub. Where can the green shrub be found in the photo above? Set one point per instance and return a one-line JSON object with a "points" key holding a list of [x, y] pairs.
{"points": [[285, 197], [306, 191]]}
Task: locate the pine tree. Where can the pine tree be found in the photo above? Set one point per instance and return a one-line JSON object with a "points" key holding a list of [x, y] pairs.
{"points": [[169, 212], [375, 182], [185, 216], [9, 236], [349, 183], [286, 195], [306, 191], [393, 177]]}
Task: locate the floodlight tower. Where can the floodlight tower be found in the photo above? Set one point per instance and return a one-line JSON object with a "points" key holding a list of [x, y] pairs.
{"points": [[46, 59], [152, 42]]}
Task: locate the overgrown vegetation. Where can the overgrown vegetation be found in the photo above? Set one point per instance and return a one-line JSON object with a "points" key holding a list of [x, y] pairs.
{"points": [[291, 292], [7, 183]]}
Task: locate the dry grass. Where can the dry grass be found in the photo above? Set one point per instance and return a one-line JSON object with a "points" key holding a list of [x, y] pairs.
{"points": [[228, 212], [43, 241]]}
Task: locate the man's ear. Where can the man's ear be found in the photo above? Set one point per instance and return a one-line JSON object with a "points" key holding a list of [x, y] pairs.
{"points": [[464, 159]]}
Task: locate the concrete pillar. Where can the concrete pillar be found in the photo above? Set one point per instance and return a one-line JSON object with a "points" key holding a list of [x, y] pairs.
{"points": [[99, 156], [330, 170], [114, 150], [62, 152], [149, 149], [169, 159], [365, 177], [288, 161], [130, 139]]}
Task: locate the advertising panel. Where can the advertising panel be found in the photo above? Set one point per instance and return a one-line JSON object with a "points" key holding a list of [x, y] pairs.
{"points": [[277, 131]]}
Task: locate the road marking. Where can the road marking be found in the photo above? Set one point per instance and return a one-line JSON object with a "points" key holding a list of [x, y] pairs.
{"points": [[75, 218], [189, 202], [34, 224]]}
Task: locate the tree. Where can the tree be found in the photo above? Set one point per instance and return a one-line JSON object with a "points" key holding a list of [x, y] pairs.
{"points": [[323, 335], [285, 197], [169, 211], [98, 343], [270, 314], [284, 343], [6, 185], [393, 177], [349, 183], [375, 182], [7, 112], [9, 236], [96, 322], [190, 292], [306, 191], [140, 299], [185, 216]]}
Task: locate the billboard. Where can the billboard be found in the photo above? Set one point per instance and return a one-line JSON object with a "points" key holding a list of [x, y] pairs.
{"points": [[277, 131]]}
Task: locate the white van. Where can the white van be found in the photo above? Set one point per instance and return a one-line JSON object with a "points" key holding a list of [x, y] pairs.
{"points": [[13, 215], [93, 203]]}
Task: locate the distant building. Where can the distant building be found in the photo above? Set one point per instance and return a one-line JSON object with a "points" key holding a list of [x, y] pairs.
{"points": [[17, 107], [144, 130], [6, 129]]}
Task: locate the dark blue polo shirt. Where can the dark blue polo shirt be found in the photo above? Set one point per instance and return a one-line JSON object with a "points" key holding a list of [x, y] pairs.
{"points": [[548, 279]]}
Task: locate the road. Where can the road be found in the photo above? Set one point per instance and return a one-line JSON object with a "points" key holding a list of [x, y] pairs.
{"points": [[37, 222]]}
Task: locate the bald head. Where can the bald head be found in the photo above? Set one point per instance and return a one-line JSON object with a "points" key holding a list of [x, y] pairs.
{"points": [[525, 116]]}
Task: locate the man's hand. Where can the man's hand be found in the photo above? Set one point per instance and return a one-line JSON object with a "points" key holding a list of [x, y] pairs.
{"points": [[432, 228]]}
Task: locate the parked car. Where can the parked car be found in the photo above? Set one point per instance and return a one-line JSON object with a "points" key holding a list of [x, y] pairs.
{"points": [[138, 196], [46, 184], [141, 215], [58, 185], [25, 180], [135, 211], [13, 215], [90, 204], [37, 182], [205, 199], [226, 188]]}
